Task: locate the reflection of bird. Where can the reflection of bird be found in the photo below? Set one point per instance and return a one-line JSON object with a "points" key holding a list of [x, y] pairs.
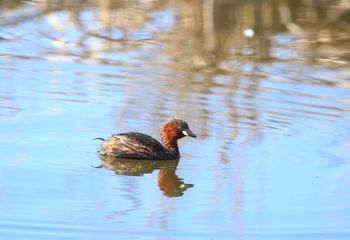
{"points": [[135, 145], [168, 182], [135, 167]]}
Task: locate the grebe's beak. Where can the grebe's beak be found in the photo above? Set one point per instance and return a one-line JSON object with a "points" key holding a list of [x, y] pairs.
{"points": [[189, 133]]}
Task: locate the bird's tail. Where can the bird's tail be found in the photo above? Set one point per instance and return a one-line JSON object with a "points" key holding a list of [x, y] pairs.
{"points": [[102, 139]]}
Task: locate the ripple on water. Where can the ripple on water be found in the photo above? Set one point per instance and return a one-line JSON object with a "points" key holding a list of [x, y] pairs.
{"points": [[22, 229], [270, 160]]}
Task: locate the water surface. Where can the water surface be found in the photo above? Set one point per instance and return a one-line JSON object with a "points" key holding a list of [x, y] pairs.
{"points": [[264, 84]]}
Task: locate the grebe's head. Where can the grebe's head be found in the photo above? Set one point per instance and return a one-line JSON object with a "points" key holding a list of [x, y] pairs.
{"points": [[175, 129]]}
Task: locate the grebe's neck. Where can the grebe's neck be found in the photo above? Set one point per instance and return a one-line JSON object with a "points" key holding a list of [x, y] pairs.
{"points": [[169, 137], [169, 143]]}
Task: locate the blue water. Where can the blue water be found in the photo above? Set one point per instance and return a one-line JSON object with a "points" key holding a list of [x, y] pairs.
{"points": [[272, 115]]}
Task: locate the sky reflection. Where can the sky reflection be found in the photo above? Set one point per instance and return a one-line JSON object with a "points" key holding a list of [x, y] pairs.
{"points": [[271, 111]]}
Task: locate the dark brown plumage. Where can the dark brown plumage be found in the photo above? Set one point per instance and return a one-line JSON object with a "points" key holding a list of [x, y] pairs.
{"points": [[134, 145]]}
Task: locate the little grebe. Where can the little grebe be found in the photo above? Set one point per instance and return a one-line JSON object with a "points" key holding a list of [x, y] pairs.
{"points": [[135, 145]]}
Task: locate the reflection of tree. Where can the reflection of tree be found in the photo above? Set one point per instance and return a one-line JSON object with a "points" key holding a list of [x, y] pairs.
{"points": [[195, 62], [198, 35], [203, 33]]}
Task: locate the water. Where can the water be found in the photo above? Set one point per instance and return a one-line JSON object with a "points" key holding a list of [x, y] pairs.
{"points": [[271, 112]]}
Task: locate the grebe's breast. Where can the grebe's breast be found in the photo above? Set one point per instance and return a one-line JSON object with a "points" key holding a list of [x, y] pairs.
{"points": [[133, 145]]}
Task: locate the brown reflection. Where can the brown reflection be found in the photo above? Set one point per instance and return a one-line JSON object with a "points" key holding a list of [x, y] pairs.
{"points": [[202, 33], [168, 182], [218, 37]]}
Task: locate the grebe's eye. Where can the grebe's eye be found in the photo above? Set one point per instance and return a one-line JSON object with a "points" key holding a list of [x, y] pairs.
{"points": [[188, 132]]}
